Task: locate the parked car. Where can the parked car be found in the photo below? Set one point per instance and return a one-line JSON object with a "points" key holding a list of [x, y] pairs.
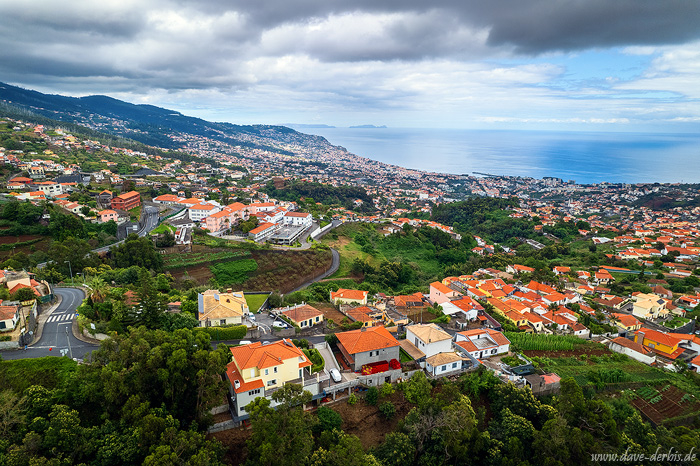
{"points": [[279, 324], [245, 342], [335, 375]]}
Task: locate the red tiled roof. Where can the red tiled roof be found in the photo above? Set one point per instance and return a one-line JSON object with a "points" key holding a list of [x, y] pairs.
{"points": [[342, 293], [369, 339]]}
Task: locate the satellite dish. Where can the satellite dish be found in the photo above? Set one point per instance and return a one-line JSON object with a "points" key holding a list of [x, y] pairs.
{"points": [[31, 332]]}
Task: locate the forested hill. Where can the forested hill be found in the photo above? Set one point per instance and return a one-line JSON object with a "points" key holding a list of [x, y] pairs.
{"points": [[149, 124]]}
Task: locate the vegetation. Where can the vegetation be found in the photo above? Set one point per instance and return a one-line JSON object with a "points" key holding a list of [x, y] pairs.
{"points": [[529, 341], [234, 332], [234, 272]]}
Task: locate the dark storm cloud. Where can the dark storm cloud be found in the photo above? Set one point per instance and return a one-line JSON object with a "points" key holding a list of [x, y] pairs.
{"points": [[177, 44]]}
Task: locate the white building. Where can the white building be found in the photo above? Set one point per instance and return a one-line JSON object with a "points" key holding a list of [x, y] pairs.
{"points": [[297, 219], [482, 343], [429, 338]]}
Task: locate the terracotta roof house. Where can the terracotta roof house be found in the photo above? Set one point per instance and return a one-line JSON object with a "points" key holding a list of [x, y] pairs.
{"points": [[367, 345], [304, 316], [344, 296], [663, 344], [482, 343], [216, 308], [627, 322], [257, 370], [633, 350], [8, 317]]}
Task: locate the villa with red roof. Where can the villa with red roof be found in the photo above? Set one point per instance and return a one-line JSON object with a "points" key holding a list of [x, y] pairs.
{"points": [[304, 316], [440, 293], [663, 344], [257, 370]]}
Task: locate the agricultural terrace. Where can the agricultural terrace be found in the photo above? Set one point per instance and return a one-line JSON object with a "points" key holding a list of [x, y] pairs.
{"points": [[665, 403], [174, 261], [531, 342]]}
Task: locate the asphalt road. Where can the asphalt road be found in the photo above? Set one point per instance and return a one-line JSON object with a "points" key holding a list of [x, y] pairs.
{"points": [[57, 333], [335, 263]]}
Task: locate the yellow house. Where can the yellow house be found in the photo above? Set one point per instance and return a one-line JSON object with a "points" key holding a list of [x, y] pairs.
{"points": [[216, 308], [258, 370], [663, 344], [343, 296], [627, 322], [649, 306]]}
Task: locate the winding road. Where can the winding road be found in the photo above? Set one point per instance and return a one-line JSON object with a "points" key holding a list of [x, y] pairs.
{"points": [[57, 337]]}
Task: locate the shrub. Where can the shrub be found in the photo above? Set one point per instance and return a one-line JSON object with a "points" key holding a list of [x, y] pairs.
{"points": [[372, 396], [352, 399], [327, 419], [387, 409], [386, 390], [316, 359], [236, 332]]}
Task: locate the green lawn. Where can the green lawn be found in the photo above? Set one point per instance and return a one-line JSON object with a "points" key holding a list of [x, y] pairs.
{"points": [[162, 228], [404, 356], [255, 301], [676, 322]]}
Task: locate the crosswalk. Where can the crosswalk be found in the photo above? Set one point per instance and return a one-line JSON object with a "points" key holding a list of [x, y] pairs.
{"points": [[59, 318]]}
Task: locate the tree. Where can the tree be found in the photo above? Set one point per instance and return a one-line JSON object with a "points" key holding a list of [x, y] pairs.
{"points": [[24, 294], [98, 289], [398, 449], [152, 304], [136, 251], [417, 389]]}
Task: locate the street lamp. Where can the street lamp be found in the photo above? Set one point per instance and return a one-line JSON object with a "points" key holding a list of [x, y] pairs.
{"points": [[81, 276], [69, 347], [71, 272]]}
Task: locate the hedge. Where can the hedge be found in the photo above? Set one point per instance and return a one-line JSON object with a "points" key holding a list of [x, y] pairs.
{"points": [[315, 357], [236, 332]]}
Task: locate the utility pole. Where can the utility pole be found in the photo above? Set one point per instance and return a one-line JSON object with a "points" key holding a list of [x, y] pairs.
{"points": [[71, 272], [69, 347]]}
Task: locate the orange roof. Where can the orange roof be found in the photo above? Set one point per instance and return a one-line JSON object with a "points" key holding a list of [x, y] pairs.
{"points": [[129, 195], [301, 313], [659, 337], [497, 336], [367, 339], [355, 295], [261, 227], [622, 341], [626, 319], [261, 356], [19, 286], [8, 312], [441, 288]]}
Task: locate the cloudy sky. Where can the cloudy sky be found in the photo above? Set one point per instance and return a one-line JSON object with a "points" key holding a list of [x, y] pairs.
{"points": [[592, 65]]}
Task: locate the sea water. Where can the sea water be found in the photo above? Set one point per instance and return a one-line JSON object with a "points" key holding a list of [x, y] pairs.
{"points": [[585, 157]]}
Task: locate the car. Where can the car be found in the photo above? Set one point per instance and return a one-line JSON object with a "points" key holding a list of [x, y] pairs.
{"points": [[245, 342], [279, 324], [251, 317], [335, 375]]}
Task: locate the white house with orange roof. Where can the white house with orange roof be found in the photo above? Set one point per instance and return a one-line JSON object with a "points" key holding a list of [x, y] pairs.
{"points": [[262, 232], [258, 370], [482, 343], [199, 212]]}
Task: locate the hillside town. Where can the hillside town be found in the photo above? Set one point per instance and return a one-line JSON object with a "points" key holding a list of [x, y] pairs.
{"points": [[553, 271]]}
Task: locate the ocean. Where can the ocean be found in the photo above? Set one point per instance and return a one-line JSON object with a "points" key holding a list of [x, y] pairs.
{"points": [[585, 157]]}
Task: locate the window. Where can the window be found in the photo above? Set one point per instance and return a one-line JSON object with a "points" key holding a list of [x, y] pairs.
{"points": [[317, 318], [267, 371], [275, 369], [222, 322], [454, 365], [493, 351], [271, 382]]}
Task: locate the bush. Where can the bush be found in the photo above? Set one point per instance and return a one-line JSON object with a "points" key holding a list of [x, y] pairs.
{"points": [[352, 399], [386, 390], [372, 396], [316, 359], [387, 409], [236, 332], [328, 419]]}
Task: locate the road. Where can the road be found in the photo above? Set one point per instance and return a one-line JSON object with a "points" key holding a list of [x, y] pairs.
{"points": [[57, 333], [335, 263]]}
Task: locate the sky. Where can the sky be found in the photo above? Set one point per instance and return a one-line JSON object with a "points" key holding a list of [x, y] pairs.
{"points": [[588, 65]]}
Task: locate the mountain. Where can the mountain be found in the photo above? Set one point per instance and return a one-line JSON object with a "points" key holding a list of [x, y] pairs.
{"points": [[157, 126], [368, 127]]}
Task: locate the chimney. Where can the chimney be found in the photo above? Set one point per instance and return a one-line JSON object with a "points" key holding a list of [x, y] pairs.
{"points": [[237, 384]]}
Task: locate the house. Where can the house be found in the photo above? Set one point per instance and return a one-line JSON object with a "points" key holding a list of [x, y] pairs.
{"points": [[632, 349], [663, 344], [648, 306], [106, 215], [304, 316], [298, 219], [9, 315], [440, 293], [257, 370], [517, 269], [482, 343], [626, 322], [429, 338], [126, 201], [199, 212], [344, 296], [216, 308], [367, 345], [442, 363], [695, 364], [105, 198]]}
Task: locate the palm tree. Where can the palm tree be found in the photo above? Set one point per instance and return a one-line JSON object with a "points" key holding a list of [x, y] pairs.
{"points": [[98, 289]]}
